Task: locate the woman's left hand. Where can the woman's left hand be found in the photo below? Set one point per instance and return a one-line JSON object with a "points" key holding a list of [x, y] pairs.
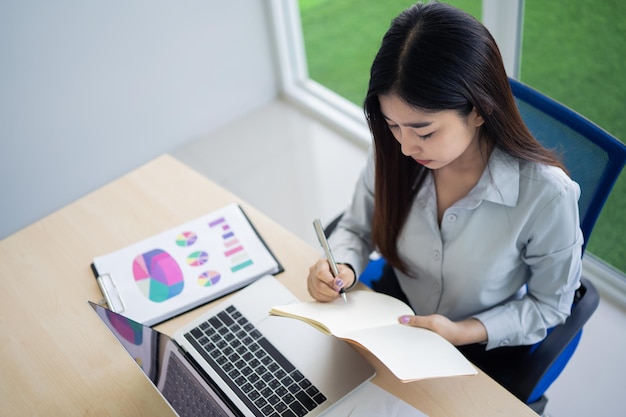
{"points": [[456, 332]]}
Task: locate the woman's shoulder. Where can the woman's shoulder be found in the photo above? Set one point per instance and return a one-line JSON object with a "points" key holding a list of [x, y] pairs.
{"points": [[537, 177]]}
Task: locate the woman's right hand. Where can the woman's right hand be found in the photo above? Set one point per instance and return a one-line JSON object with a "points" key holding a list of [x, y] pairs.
{"points": [[323, 286]]}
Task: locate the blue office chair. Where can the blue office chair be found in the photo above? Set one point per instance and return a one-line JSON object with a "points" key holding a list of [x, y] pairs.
{"points": [[595, 160]]}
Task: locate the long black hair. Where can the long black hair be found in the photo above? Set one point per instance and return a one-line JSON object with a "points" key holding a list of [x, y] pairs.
{"points": [[436, 57]]}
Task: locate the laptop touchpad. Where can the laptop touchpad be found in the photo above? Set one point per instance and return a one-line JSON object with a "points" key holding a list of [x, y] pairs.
{"points": [[300, 343]]}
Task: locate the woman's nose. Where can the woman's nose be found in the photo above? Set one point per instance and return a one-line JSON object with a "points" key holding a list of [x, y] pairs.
{"points": [[409, 146]]}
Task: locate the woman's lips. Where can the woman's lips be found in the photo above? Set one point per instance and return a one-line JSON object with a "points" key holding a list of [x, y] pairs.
{"points": [[423, 161]]}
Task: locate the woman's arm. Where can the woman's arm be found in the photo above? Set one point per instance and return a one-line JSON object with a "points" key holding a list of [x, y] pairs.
{"points": [[351, 240]]}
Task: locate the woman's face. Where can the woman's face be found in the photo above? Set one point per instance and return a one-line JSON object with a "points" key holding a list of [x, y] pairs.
{"points": [[433, 139]]}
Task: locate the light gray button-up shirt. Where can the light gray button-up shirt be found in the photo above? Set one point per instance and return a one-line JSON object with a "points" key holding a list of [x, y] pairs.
{"points": [[508, 253]]}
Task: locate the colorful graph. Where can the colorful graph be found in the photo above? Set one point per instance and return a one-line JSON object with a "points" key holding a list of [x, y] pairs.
{"points": [[157, 275], [197, 258], [186, 239], [233, 250], [209, 278], [216, 222]]}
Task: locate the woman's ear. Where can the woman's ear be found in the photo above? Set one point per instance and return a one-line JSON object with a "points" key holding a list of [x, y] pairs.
{"points": [[475, 118]]}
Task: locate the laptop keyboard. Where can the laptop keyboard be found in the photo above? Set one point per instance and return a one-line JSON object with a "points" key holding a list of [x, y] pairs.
{"points": [[262, 377]]}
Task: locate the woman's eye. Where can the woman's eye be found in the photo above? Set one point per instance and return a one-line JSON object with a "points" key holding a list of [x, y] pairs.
{"points": [[424, 137]]}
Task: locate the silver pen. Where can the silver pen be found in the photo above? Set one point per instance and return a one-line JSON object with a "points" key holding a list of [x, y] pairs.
{"points": [[329, 255]]}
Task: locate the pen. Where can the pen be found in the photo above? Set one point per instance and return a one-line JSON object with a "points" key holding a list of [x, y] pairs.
{"points": [[329, 256]]}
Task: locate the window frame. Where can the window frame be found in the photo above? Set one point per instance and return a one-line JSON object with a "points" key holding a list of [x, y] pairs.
{"points": [[295, 84], [505, 21]]}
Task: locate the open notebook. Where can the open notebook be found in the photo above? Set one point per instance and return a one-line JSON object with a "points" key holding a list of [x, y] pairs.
{"points": [[370, 319]]}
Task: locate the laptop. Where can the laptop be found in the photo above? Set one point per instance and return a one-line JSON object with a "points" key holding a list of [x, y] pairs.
{"points": [[237, 360]]}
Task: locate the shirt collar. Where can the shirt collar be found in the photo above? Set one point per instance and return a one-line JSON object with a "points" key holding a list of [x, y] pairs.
{"points": [[499, 182]]}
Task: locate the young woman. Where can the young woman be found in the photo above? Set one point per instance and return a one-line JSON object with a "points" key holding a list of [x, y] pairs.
{"points": [[477, 221]]}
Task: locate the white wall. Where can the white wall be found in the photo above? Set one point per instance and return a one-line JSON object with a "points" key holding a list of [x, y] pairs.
{"points": [[91, 90]]}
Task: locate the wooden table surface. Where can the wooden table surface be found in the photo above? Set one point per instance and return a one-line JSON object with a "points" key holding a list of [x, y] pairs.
{"points": [[59, 360]]}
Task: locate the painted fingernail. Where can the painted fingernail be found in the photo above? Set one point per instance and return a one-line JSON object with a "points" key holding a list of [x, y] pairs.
{"points": [[339, 282], [405, 319]]}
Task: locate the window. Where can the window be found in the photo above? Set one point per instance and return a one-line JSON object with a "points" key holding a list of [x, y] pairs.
{"points": [[341, 39], [570, 52], [575, 52]]}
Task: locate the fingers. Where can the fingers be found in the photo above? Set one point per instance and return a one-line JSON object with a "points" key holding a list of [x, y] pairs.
{"points": [[416, 321], [434, 322], [320, 282], [346, 277], [322, 285], [458, 333]]}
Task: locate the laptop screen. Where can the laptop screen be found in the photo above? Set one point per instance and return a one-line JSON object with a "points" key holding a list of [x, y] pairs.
{"points": [[167, 367]]}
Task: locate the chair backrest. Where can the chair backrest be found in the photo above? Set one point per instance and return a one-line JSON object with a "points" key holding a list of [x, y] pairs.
{"points": [[593, 157], [594, 160]]}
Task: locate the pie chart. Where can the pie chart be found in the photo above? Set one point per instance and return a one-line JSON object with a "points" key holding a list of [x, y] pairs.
{"points": [[197, 258], [209, 278], [157, 275], [186, 239]]}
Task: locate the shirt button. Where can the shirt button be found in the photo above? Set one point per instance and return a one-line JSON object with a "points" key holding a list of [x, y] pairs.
{"points": [[505, 342], [436, 255], [452, 218], [436, 287]]}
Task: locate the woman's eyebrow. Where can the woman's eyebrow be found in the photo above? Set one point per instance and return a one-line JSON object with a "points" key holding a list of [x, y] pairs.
{"points": [[417, 125], [413, 125]]}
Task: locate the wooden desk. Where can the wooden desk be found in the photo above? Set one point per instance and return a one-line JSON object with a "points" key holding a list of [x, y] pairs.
{"points": [[58, 359]]}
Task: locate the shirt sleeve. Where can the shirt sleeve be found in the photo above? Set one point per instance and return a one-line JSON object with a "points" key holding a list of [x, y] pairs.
{"points": [[553, 256], [351, 240]]}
